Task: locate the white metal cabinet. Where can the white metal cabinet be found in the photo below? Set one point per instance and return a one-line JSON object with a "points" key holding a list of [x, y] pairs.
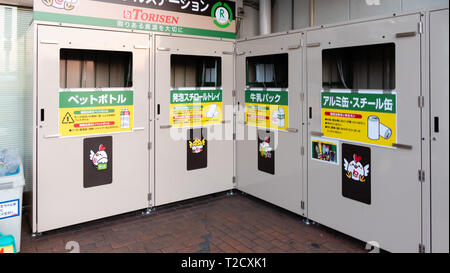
{"points": [[60, 198], [393, 219], [173, 182], [439, 94], [284, 187]]}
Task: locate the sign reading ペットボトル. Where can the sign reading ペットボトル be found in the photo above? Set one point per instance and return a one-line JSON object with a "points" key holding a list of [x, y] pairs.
{"points": [[192, 17], [365, 116], [90, 112], [268, 108], [191, 108]]}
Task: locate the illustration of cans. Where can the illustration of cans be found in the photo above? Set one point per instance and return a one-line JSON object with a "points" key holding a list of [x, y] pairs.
{"points": [[385, 132], [373, 128]]}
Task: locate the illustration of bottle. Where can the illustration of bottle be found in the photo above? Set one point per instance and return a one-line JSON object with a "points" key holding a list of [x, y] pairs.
{"points": [[125, 118]]}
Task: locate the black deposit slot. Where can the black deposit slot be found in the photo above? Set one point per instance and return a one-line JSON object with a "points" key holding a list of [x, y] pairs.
{"points": [[310, 112], [436, 124], [159, 109], [42, 115]]}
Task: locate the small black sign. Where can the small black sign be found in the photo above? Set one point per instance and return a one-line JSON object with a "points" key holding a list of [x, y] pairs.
{"points": [[197, 149], [356, 173], [266, 151], [97, 161]]}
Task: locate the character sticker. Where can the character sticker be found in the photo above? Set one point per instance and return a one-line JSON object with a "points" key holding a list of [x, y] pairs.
{"points": [[325, 151], [266, 151], [356, 173], [100, 158], [97, 161], [197, 149], [197, 145]]}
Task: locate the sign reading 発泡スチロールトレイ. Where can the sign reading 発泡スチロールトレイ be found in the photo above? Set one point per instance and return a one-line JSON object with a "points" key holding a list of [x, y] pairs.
{"points": [[191, 108], [192, 17], [366, 116], [95, 112], [267, 108]]}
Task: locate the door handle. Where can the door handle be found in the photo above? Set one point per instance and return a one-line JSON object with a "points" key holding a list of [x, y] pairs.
{"points": [[402, 146], [317, 134], [163, 49], [135, 129], [52, 136], [292, 130], [165, 126]]}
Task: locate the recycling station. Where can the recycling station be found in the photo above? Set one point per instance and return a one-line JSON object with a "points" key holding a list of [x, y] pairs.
{"points": [[138, 105]]}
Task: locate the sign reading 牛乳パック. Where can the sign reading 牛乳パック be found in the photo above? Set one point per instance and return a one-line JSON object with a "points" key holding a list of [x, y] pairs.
{"points": [[214, 18], [267, 108], [366, 116], [191, 108], [95, 112]]}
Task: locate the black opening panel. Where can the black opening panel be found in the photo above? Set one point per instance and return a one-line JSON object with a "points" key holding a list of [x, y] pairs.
{"points": [[359, 67], [268, 71], [81, 68], [195, 71]]}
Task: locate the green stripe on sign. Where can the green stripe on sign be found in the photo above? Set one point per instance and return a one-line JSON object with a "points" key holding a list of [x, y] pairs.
{"points": [[195, 96], [123, 24], [95, 99], [368, 102], [267, 97]]}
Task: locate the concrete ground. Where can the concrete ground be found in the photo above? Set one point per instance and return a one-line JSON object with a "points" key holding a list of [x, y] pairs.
{"points": [[212, 224]]}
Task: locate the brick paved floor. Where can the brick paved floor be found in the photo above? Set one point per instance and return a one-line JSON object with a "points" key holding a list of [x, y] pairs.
{"points": [[215, 223]]}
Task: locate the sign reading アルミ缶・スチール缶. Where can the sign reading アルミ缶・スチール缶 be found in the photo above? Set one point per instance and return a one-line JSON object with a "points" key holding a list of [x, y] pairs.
{"points": [[211, 18]]}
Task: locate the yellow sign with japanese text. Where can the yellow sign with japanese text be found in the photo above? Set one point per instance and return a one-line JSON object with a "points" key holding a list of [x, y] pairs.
{"points": [[267, 109], [192, 108], [366, 117], [95, 112]]}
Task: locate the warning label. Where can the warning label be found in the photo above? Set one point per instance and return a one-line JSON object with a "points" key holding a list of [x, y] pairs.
{"points": [[95, 112]]}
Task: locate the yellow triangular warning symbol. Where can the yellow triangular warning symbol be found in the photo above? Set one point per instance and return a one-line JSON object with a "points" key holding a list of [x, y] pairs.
{"points": [[67, 119]]}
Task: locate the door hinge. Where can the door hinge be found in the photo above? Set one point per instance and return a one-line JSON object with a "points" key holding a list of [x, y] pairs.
{"points": [[234, 136], [302, 96], [233, 93], [420, 27], [149, 95], [302, 204], [302, 150], [234, 179], [421, 176], [149, 145], [421, 248], [149, 197], [421, 101]]}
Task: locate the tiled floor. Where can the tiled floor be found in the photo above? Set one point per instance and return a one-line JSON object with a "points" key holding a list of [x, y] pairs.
{"points": [[215, 223]]}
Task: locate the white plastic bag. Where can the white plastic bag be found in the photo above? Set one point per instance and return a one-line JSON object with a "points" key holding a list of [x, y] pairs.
{"points": [[9, 161]]}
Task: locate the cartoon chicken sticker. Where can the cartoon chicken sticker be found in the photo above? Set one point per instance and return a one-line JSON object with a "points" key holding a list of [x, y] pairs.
{"points": [[100, 158], [355, 170]]}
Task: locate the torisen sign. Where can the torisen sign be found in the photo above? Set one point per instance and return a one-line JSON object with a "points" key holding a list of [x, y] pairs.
{"points": [[202, 17]]}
